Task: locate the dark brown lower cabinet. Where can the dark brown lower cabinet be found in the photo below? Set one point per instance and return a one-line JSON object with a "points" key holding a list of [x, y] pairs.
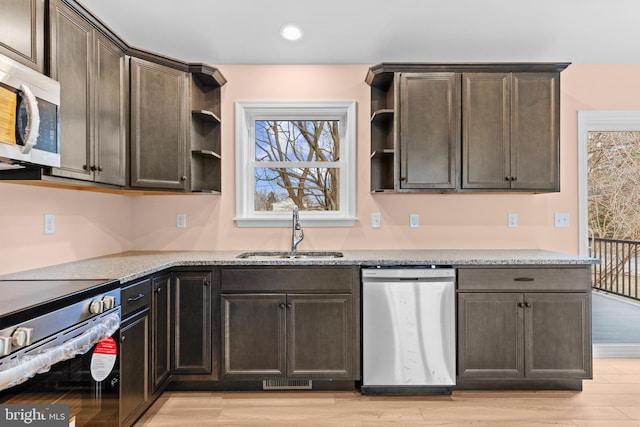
{"points": [[134, 356], [191, 313], [161, 327], [254, 338], [319, 336], [288, 335], [510, 335]]}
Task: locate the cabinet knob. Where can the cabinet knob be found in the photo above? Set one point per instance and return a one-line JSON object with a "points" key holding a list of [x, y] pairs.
{"points": [[403, 178], [93, 168], [521, 304], [207, 283], [183, 178], [289, 305], [158, 289], [527, 304], [122, 338], [85, 167], [99, 168], [507, 178], [282, 305]]}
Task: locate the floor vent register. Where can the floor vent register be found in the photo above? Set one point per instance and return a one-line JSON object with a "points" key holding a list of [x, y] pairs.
{"points": [[285, 384]]}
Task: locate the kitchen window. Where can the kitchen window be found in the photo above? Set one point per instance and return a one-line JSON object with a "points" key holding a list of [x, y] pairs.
{"points": [[295, 154]]}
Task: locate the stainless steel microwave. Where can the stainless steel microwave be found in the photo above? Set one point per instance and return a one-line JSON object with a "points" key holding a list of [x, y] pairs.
{"points": [[29, 117]]}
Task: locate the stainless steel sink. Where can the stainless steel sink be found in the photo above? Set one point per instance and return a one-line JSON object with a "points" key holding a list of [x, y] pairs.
{"points": [[290, 255]]}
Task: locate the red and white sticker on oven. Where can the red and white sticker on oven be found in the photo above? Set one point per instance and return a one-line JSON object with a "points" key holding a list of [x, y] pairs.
{"points": [[103, 358]]}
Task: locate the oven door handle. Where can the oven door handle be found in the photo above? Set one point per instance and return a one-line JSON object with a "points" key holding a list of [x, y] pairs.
{"points": [[27, 366]]}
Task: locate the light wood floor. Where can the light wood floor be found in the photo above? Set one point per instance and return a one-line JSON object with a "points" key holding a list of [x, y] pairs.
{"points": [[611, 399]]}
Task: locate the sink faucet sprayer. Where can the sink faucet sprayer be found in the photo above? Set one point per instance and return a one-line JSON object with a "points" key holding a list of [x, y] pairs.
{"points": [[295, 227]]}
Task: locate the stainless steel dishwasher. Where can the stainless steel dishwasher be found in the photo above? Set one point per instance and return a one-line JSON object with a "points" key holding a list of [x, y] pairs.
{"points": [[408, 330]]}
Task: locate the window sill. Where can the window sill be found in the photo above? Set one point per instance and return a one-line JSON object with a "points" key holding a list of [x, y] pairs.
{"points": [[286, 222]]}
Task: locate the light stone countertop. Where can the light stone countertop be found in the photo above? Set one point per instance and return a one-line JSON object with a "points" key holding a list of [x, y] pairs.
{"points": [[128, 266]]}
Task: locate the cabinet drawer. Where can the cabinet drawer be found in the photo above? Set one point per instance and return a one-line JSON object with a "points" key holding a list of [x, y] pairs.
{"points": [[525, 279], [135, 297], [308, 279]]}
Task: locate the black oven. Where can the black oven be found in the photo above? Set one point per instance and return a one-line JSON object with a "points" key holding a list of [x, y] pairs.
{"points": [[64, 354]]}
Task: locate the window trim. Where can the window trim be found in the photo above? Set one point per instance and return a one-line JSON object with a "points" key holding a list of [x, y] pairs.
{"points": [[596, 121], [247, 112]]}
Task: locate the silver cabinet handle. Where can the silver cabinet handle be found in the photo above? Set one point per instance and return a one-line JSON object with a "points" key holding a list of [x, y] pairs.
{"points": [[136, 298]]}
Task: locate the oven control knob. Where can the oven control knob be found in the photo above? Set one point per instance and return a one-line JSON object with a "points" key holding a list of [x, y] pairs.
{"points": [[109, 302], [5, 346], [22, 337], [96, 306]]}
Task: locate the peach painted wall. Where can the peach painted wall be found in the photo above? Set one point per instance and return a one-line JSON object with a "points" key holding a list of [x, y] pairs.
{"points": [[92, 224], [87, 224]]}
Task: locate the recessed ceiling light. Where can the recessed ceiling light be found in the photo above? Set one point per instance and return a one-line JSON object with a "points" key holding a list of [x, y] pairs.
{"points": [[291, 32]]}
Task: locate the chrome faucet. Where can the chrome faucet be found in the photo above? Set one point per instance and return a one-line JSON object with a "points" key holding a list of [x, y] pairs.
{"points": [[296, 237]]}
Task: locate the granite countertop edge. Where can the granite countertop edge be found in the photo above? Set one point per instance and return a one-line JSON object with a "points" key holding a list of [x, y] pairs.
{"points": [[132, 265]]}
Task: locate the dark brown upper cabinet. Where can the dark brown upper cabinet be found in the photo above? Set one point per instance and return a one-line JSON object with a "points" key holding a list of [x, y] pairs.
{"points": [[22, 32], [129, 119], [93, 99], [511, 136], [465, 127], [175, 126], [429, 132], [159, 126]]}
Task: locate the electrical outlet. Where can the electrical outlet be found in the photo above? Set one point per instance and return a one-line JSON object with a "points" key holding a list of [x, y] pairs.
{"points": [[375, 220], [414, 220], [181, 220], [512, 220], [49, 223], [561, 220]]}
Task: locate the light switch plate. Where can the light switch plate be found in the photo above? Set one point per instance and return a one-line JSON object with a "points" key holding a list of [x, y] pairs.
{"points": [[512, 220], [414, 220], [375, 220], [181, 220]]}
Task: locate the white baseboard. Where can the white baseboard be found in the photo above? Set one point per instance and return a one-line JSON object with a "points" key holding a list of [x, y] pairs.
{"points": [[616, 350]]}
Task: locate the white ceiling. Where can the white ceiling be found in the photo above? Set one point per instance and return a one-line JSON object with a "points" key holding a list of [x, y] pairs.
{"points": [[371, 31]]}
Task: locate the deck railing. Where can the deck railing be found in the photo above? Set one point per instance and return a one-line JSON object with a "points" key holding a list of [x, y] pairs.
{"points": [[619, 266]]}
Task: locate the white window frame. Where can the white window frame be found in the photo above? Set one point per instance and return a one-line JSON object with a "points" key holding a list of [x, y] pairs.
{"points": [[247, 113], [596, 121]]}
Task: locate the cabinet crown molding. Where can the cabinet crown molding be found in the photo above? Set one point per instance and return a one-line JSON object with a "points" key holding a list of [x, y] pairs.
{"points": [[377, 74]]}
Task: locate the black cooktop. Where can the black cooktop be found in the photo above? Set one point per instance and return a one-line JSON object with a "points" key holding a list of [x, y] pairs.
{"points": [[22, 300]]}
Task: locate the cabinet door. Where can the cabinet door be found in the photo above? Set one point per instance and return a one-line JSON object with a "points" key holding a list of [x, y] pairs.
{"points": [[253, 335], [22, 31], [557, 335], [192, 322], [490, 335], [134, 357], [109, 160], [160, 321], [429, 133], [535, 137], [486, 130], [71, 64], [159, 112], [320, 336]]}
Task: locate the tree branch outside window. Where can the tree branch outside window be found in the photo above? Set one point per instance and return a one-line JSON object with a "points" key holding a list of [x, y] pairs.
{"points": [[293, 165]]}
